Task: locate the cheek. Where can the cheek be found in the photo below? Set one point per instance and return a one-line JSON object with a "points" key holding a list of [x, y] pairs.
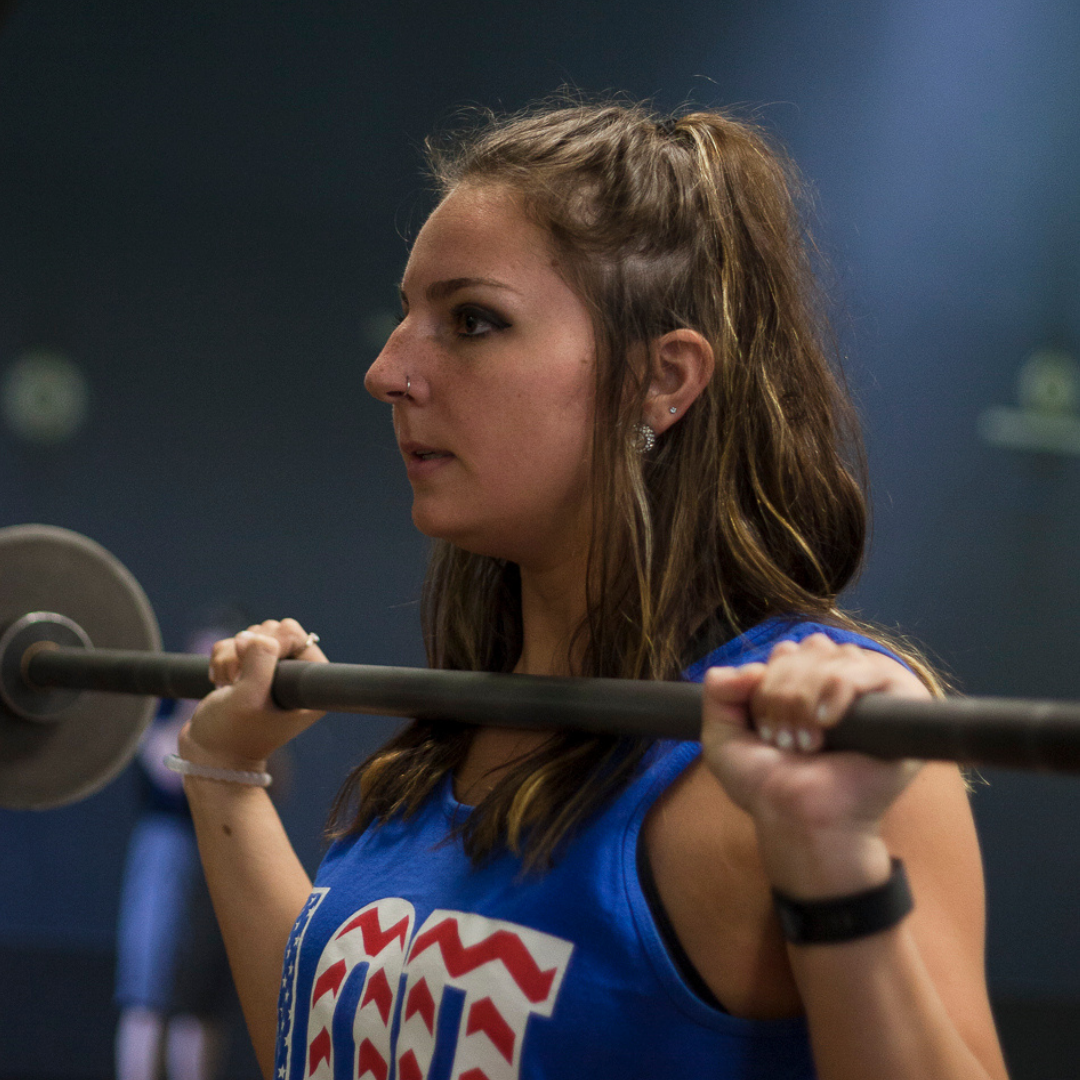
{"points": [[555, 427], [546, 461]]}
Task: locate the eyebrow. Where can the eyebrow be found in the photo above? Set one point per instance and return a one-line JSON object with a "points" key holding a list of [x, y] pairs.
{"points": [[440, 290]]}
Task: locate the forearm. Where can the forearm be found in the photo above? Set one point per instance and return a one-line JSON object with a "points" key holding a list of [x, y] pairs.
{"points": [[872, 1003], [873, 1010], [258, 887]]}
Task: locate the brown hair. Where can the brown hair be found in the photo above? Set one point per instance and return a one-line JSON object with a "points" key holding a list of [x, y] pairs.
{"points": [[751, 505]]}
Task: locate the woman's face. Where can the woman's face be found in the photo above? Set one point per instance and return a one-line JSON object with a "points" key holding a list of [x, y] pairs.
{"points": [[491, 377]]}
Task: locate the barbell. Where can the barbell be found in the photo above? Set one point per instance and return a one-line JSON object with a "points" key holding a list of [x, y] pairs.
{"points": [[80, 672]]}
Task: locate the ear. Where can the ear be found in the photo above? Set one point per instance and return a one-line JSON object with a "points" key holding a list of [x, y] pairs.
{"points": [[681, 364]]}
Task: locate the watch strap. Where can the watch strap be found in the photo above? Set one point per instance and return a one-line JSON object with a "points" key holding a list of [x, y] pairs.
{"points": [[845, 918]]}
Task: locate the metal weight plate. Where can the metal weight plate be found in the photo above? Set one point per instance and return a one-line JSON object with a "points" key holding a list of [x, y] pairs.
{"points": [[88, 742]]}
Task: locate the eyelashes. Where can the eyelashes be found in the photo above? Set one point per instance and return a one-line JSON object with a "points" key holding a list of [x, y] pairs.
{"points": [[471, 321]]}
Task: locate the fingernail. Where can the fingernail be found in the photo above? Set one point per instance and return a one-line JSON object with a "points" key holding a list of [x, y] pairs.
{"points": [[765, 732], [784, 739], [824, 713], [805, 740]]}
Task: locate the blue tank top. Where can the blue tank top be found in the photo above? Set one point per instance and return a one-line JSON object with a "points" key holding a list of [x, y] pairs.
{"points": [[409, 963]]}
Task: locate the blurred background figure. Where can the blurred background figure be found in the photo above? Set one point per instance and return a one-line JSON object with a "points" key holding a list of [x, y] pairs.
{"points": [[173, 986]]}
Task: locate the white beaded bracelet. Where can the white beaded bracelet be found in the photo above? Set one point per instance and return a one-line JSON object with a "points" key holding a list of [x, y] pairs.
{"points": [[227, 776]]}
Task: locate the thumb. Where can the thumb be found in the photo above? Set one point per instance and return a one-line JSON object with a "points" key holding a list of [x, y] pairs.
{"points": [[258, 656]]}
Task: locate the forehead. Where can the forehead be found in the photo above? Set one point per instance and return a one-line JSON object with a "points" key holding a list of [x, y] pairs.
{"points": [[480, 232]]}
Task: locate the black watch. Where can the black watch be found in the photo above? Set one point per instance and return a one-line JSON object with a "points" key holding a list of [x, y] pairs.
{"points": [[845, 918]]}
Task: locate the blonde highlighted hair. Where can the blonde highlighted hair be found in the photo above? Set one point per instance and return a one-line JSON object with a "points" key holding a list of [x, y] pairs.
{"points": [[751, 505]]}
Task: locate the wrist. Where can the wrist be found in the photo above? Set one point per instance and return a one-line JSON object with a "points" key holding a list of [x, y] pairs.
{"points": [[824, 864], [244, 777], [845, 918], [191, 750]]}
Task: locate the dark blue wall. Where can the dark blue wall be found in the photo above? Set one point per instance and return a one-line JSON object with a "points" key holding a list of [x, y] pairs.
{"points": [[205, 206], [943, 139]]}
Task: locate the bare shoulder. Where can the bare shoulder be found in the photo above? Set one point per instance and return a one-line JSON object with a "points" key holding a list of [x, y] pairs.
{"points": [[704, 856]]}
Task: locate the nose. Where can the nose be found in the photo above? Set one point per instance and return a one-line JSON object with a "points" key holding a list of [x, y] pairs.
{"points": [[387, 378]]}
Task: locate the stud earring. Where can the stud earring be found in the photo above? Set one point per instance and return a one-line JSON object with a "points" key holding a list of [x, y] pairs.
{"points": [[673, 410], [644, 438]]}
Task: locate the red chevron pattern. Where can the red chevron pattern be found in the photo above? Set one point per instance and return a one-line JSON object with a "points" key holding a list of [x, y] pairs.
{"points": [[378, 990], [484, 1016], [501, 945], [330, 980], [508, 973], [369, 1060], [375, 938], [420, 1001], [320, 1051], [409, 1067], [359, 949]]}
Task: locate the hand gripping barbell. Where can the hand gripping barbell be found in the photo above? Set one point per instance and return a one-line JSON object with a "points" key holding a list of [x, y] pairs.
{"points": [[80, 671]]}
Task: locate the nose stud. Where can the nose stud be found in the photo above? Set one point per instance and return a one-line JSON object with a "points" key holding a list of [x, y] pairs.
{"points": [[408, 385]]}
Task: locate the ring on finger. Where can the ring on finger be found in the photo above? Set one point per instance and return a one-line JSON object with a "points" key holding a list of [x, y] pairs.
{"points": [[306, 644]]}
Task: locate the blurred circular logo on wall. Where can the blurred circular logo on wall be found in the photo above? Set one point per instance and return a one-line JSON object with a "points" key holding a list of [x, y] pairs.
{"points": [[44, 397]]}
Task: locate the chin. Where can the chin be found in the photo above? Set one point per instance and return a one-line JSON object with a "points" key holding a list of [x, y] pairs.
{"points": [[473, 540], [438, 527]]}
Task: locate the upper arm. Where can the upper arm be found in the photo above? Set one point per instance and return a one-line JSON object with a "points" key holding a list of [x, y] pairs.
{"points": [[712, 885]]}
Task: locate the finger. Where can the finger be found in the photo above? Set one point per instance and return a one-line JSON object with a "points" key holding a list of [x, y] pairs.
{"points": [[732, 750], [786, 702], [732, 685], [866, 673], [796, 677], [809, 688], [785, 648], [298, 643], [224, 664], [225, 657], [258, 656], [726, 695]]}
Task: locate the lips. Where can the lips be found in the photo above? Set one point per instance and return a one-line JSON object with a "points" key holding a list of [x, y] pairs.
{"points": [[422, 452], [423, 460]]}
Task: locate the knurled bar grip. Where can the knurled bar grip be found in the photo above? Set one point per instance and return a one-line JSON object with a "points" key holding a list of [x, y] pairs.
{"points": [[988, 731]]}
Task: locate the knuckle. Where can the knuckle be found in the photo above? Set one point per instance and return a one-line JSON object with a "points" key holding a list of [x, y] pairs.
{"points": [[775, 700], [834, 684]]}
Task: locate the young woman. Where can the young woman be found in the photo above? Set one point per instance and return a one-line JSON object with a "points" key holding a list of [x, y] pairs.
{"points": [[616, 413]]}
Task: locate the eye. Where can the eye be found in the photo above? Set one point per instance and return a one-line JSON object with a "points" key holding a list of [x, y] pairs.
{"points": [[471, 321]]}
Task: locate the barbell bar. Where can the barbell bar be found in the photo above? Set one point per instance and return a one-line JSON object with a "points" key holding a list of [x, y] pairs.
{"points": [[63, 685], [987, 731]]}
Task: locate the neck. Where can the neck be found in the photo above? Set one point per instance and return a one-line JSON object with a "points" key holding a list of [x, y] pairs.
{"points": [[553, 604]]}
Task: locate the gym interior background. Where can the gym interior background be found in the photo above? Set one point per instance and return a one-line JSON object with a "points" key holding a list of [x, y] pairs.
{"points": [[204, 209]]}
